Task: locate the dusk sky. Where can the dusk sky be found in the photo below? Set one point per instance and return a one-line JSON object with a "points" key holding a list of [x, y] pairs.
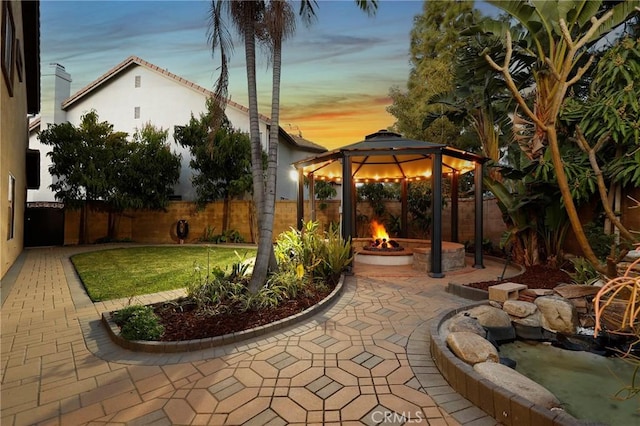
{"points": [[336, 74]]}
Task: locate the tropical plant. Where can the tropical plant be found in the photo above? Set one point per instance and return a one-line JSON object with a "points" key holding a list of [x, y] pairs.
{"points": [[271, 22], [558, 34]]}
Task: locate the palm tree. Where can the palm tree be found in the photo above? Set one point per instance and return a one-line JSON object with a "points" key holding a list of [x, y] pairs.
{"points": [[272, 22], [559, 33]]}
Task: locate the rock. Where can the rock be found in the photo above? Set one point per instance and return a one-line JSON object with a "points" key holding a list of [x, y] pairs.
{"points": [[501, 334], [515, 382], [533, 320], [558, 314], [570, 291], [472, 348], [526, 332], [537, 292], [488, 316], [519, 309], [462, 322]]}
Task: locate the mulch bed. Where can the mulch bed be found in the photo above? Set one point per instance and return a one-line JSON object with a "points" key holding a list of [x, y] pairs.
{"points": [[538, 276]]}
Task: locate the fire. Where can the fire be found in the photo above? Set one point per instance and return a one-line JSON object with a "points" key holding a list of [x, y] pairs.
{"points": [[378, 232]]}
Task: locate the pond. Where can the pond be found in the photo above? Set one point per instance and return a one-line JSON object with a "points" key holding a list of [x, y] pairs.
{"points": [[585, 383]]}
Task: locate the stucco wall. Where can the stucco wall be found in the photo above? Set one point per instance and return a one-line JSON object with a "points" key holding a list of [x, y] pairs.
{"points": [[13, 148]]}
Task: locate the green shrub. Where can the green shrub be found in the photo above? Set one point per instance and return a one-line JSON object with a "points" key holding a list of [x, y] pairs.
{"points": [[138, 323], [229, 236], [584, 272]]}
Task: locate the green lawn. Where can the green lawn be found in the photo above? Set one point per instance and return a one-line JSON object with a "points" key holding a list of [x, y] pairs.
{"points": [[125, 272]]}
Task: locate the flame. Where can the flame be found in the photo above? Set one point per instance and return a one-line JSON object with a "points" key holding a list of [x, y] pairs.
{"points": [[378, 232]]}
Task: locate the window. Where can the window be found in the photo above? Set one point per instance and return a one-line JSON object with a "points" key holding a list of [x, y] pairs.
{"points": [[136, 112], [137, 81], [8, 45], [12, 206]]}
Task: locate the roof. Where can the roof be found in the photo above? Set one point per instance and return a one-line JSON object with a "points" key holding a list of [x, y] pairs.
{"points": [[297, 141], [34, 124], [134, 60], [302, 143], [388, 157]]}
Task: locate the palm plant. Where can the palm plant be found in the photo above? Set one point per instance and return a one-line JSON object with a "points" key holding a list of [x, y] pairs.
{"points": [[270, 22]]}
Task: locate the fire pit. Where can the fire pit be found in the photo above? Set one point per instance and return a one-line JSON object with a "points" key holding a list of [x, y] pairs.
{"points": [[380, 249], [381, 241]]}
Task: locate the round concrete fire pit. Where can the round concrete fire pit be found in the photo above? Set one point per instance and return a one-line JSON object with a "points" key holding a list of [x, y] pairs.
{"points": [[415, 252]]}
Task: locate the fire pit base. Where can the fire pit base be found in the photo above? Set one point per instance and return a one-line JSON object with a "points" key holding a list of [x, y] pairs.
{"points": [[416, 253], [385, 258]]}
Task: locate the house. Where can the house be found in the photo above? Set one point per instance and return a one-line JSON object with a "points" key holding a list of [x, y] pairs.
{"points": [[135, 92], [20, 96]]}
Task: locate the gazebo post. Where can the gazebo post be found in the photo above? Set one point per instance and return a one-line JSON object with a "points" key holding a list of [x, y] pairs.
{"points": [[436, 224], [479, 171], [347, 199], [454, 206], [404, 216], [300, 200], [312, 197]]}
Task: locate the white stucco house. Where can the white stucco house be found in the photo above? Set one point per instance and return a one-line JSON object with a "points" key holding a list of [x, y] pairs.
{"points": [[135, 92]]}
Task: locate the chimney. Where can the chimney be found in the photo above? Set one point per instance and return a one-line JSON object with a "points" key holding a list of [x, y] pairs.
{"points": [[56, 87]]}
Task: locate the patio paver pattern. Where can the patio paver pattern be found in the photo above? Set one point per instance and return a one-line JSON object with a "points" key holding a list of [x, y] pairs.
{"points": [[364, 360]]}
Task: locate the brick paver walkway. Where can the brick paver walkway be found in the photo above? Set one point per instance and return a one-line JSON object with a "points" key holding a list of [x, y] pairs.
{"points": [[365, 360]]}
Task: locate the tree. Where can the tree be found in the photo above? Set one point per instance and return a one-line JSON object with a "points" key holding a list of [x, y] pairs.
{"points": [[249, 19], [435, 37], [222, 166], [85, 161], [559, 33], [94, 163]]}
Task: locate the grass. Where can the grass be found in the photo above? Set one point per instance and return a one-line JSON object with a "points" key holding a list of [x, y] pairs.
{"points": [[125, 272]]}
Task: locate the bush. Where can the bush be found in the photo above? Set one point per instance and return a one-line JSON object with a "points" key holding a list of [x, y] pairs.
{"points": [[138, 323]]}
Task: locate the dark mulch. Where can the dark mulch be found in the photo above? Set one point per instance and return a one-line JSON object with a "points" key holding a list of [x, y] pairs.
{"points": [[538, 276], [182, 321]]}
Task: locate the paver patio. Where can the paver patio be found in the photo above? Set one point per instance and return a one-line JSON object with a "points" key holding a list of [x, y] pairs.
{"points": [[364, 360]]}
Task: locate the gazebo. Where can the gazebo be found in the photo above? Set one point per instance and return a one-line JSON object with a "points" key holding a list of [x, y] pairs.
{"points": [[388, 157]]}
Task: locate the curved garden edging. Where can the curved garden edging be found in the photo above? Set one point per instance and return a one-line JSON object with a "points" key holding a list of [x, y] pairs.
{"points": [[501, 404], [193, 345]]}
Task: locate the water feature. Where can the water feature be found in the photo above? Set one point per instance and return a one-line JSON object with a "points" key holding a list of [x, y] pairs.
{"points": [[586, 383]]}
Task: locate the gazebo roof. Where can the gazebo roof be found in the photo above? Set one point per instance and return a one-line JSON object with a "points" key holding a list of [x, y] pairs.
{"points": [[386, 156]]}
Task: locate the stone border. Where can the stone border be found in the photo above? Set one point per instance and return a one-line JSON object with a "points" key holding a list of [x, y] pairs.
{"points": [[506, 407], [193, 345]]}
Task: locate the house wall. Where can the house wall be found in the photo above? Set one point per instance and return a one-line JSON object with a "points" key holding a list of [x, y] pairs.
{"points": [[161, 101], [56, 83], [13, 148]]}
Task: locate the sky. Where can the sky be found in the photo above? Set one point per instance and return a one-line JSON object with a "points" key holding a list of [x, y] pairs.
{"points": [[336, 73]]}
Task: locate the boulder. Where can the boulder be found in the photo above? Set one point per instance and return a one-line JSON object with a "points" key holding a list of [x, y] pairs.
{"points": [[518, 308], [472, 348], [515, 382], [558, 315], [534, 320], [488, 316], [462, 322]]}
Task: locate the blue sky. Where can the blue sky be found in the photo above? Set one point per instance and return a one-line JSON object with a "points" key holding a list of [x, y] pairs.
{"points": [[336, 73]]}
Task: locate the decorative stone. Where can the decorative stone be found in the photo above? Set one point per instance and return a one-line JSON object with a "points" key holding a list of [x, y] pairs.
{"points": [[570, 291], [488, 316], [505, 291], [519, 309], [515, 382], [462, 322], [472, 348], [558, 315], [533, 320]]}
